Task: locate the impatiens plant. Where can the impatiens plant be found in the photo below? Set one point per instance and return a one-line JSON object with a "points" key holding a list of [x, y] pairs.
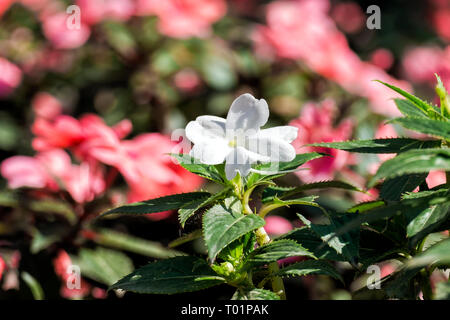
{"points": [[240, 252], [407, 224]]}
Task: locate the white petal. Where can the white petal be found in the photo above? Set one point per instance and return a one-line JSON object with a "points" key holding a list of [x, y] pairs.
{"points": [[211, 153], [277, 150], [286, 133], [247, 114], [237, 161], [205, 128]]}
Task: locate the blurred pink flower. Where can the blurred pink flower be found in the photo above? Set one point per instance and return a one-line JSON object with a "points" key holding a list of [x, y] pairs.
{"points": [[436, 178], [371, 195], [10, 77], [276, 225], [61, 132], [150, 172], [46, 106], [95, 11], [53, 169], [4, 6], [56, 31], [2, 267], [184, 18], [187, 80], [348, 16], [421, 63], [303, 30], [61, 264], [440, 18], [382, 58], [22, 171], [316, 125]]}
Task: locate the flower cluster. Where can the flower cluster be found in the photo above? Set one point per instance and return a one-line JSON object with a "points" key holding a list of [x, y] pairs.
{"points": [[101, 152]]}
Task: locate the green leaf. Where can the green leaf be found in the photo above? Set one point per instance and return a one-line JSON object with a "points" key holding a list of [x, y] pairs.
{"points": [[413, 161], [166, 203], [443, 97], [408, 109], [186, 238], [307, 267], [346, 244], [438, 255], [170, 276], [275, 251], [394, 145], [427, 219], [366, 206], [206, 171], [221, 226], [311, 241], [423, 106], [103, 265], [436, 128], [123, 241], [255, 294], [392, 189], [274, 191], [190, 208], [275, 167], [34, 285]]}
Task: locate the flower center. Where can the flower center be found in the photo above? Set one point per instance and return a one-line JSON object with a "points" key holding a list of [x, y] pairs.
{"points": [[233, 143]]}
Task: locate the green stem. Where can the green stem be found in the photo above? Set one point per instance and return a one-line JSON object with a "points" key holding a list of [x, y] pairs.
{"points": [[277, 283]]}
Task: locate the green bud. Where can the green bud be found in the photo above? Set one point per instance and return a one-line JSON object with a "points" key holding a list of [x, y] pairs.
{"points": [[444, 97]]}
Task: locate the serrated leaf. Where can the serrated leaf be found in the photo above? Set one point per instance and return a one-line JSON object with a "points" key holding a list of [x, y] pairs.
{"points": [[275, 167], [221, 226], [274, 191], [419, 103], [413, 161], [275, 251], [123, 241], [311, 241], [170, 276], [103, 265], [308, 267], [393, 145], [166, 203], [436, 128], [255, 294], [206, 171], [392, 189], [346, 244], [427, 219], [366, 206], [408, 109], [438, 254], [190, 208]]}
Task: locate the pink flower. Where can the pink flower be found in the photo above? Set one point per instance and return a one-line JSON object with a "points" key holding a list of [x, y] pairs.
{"points": [[184, 18], [10, 77], [150, 172], [382, 58], [303, 30], [2, 267], [22, 171], [61, 132], [436, 178], [46, 106], [276, 225], [62, 264], [348, 16], [4, 6], [420, 63], [94, 11], [187, 80], [53, 169], [316, 125], [56, 31]]}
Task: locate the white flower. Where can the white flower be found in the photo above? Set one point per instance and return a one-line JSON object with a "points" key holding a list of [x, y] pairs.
{"points": [[238, 139]]}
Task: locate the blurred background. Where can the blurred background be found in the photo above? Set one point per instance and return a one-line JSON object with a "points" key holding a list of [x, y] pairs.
{"points": [[90, 95]]}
